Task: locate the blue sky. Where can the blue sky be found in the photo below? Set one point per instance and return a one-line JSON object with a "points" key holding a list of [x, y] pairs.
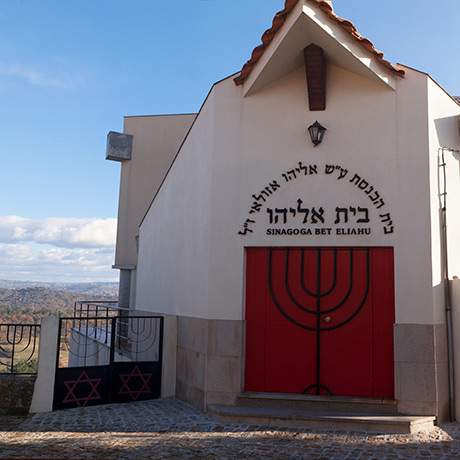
{"points": [[70, 70]]}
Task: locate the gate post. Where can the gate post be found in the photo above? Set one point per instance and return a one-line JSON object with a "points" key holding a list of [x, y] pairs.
{"points": [[42, 400], [169, 352]]}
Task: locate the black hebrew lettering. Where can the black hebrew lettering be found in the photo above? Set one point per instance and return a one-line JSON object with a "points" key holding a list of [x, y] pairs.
{"points": [[339, 212], [256, 207], [267, 192], [343, 173], [283, 212], [385, 217], [292, 174], [342, 215], [365, 219], [246, 228], [331, 168], [303, 211], [363, 184], [356, 179], [374, 198], [317, 216], [259, 198], [302, 168], [379, 204]]}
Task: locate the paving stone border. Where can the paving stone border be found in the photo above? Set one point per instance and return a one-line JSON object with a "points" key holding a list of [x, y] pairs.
{"points": [[173, 429]]}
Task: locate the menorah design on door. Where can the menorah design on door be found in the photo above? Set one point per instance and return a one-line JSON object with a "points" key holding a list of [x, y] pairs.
{"points": [[313, 308]]}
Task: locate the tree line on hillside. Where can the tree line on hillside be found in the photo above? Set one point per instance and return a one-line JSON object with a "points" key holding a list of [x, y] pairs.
{"points": [[30, 304]]}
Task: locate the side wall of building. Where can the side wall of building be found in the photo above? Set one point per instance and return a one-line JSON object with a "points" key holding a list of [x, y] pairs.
{"points": [[444, 132], [173, 266], [156, 141]]}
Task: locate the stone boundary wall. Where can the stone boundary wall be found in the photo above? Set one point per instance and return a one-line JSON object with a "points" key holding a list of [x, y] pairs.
{"points": [[16, 394]]}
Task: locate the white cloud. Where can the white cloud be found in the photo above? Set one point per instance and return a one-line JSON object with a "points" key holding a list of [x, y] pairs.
{"points": [[37, 77], [61, 232], [57, 249], [47, 263]]}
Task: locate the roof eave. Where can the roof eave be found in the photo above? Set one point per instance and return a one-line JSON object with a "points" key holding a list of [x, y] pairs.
{"points": [[315, 9]]}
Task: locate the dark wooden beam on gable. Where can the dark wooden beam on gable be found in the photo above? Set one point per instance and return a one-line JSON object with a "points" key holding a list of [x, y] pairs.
{"points": [[315, 67]]}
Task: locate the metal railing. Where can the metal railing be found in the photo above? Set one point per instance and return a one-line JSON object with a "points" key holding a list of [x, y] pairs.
{"points": [[97, 309], [93, 341], [103, 323], [19, 345], [93, 318]]}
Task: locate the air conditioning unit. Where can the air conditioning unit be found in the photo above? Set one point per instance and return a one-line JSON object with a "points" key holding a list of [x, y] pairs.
{"points": [[119, 146]]}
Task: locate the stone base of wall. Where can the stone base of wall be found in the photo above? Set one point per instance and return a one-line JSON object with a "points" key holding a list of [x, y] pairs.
{"points": [[16, 394], [210, 365], [209, 361], [421, 369]]}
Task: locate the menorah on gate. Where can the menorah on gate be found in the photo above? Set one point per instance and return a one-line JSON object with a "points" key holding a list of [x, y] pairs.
{"points": [[18, 348], [320, 311]]}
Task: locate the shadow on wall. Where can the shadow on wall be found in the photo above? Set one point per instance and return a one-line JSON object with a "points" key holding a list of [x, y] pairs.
{"points": [[448, 181], [448, 132]]}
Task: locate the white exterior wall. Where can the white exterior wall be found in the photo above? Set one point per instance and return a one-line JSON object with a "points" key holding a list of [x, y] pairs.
{"points": [[173, 263], [191, 258], [443, 126], [156, 141]]}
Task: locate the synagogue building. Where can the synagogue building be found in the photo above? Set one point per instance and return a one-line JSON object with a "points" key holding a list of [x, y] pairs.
{"points": [[301, 231]]}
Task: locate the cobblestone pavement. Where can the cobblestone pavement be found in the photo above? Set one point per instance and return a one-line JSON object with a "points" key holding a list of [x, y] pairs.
{"points": [[172, 429], [10, 423]]}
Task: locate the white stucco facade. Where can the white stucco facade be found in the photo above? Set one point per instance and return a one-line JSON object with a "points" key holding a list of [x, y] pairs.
{"points": [[239, 145]]}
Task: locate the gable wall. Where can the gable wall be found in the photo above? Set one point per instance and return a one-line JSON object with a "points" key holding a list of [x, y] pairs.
{"points": [[238, 145]]}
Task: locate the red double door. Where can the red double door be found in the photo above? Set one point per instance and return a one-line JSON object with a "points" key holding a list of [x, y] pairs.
{"points": [[319, 321]]}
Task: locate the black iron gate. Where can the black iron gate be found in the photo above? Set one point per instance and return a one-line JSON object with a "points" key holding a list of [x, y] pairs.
{"points": [[108, 359]]}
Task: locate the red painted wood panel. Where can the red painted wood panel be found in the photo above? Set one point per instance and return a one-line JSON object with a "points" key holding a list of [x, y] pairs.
{"points": [[331, 333]]}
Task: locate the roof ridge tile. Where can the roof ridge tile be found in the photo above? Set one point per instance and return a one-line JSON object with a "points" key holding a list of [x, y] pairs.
{"points": [[280, 18]]}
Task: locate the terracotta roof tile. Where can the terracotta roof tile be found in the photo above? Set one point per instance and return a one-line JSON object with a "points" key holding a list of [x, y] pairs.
{"points": [[278, 22]]}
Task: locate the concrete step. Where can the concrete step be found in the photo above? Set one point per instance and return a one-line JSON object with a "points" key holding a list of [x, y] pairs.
{"points": [[328, 421], [319, 403]]}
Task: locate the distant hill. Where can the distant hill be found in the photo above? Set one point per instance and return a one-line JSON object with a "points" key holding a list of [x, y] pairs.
{"points": [[30, 301], [83, 288]]}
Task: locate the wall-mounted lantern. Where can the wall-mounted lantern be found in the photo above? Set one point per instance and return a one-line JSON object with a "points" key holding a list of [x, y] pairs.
{"points": [[317, 132]]}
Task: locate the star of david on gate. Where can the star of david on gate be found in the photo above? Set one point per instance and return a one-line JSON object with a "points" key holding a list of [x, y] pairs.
{"points": [[83, 378], [135, 374]]}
